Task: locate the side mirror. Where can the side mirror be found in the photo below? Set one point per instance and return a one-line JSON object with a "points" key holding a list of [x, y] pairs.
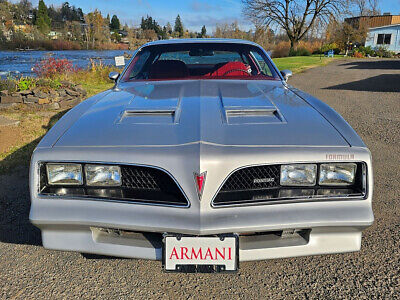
{"points": [[113, 76], [286, 74]]}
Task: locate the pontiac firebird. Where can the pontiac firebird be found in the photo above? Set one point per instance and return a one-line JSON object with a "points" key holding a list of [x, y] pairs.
{"points": [[202, 156]]}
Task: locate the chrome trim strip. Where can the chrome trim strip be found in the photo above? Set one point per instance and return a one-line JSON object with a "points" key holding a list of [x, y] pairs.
{"points": [[65, 197], [292, 200]]}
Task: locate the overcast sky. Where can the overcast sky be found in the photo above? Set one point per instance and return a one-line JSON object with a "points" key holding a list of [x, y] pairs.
{"points": [[194, 13]]}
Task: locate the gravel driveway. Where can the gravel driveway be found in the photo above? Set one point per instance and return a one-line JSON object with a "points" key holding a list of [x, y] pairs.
{"points": [[367, 94]]}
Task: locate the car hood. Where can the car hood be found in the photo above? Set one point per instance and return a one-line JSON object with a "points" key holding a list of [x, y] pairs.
{"points": [[223, 112]]}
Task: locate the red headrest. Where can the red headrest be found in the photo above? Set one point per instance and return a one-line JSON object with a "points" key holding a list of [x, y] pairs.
{"points": [[164, 69], [231, 68]]}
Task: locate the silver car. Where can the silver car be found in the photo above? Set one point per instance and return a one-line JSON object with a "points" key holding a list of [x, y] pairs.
{"points": [[202, 156]]}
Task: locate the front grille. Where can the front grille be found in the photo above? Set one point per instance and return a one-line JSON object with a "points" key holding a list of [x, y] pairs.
{"points": [[144, 178], [139, 184], [253, 178], [261, 184]]}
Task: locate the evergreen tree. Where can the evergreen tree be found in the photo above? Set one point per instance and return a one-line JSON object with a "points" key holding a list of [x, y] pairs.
{"points": [[178, 28], [150, 24], [115, 24], [168, 28], [43, 21], [203, 31]]}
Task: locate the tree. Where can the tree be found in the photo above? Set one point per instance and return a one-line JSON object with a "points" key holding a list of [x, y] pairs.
{"points": [[150, 24], [43, 21], [203, 31], [263, 36], [168, 28], [21, 11], [178, 28], [96, 29], [5, 13], [115, 24], [295, 17], [116, 37], [231, 31], [66, 12], [366, 7], [344, 34], [73, 30]]}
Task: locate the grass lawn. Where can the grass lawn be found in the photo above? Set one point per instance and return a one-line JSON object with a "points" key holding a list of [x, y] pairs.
{"points": [[300, 63], [94, 88], [18, 142]]}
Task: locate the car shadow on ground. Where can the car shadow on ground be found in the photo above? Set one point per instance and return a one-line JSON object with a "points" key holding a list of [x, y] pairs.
{"points": [[382, 83], [372, 64], [15, 226]]}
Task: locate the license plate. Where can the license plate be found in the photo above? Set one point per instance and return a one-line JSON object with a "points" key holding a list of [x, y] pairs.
{"points": [[192, 253]]}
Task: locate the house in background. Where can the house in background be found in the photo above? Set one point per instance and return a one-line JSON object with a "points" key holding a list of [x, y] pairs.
{"points": [[373, 21], [384, 36], [54, 35]]}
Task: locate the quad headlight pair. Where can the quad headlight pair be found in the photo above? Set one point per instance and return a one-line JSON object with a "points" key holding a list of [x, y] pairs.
{"points": [[73, 174], [332, 174]]}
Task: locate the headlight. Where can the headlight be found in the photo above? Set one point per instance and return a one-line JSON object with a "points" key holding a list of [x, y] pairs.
{"points": [[98, 175], [64, 174], [299, 174], [337, 174]]}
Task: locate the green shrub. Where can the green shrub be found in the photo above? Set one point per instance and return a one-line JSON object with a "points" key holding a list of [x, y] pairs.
{"points": [[366, 51], [326, 47], [8, 84], [383, 52], [26, 83], [299, 52], [357, 54], [49, 83]]}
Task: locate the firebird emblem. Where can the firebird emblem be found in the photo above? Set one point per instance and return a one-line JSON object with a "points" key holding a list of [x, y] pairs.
{"points": [[200, 180]]}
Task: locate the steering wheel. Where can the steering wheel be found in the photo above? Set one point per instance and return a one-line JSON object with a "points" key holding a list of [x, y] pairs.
{"points": [[236, 70]]}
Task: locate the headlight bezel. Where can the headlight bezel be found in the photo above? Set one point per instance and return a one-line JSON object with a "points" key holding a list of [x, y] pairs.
{"points": [[360, 186], [359, 172], [45, 176]]}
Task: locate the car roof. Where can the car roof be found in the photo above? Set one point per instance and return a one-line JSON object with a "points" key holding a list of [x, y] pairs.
{"points": [[200, 40]]}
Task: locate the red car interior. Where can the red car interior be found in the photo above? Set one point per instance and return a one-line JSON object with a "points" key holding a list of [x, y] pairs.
{"points": [[168, 69], [232, 68], [164, 69]]}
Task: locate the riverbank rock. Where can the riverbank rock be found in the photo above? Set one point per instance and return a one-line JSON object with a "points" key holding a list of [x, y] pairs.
{"points": [[11, 99], [31, 99], [67, 96]]}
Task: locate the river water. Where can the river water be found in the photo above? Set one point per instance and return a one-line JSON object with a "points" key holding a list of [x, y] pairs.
{"points": [[21, 62]]}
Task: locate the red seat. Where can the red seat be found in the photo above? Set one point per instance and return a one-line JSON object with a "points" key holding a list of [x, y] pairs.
{"points": [[165, 69], [231, 68]]}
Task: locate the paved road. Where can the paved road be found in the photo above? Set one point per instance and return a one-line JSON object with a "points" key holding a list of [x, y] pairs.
{"points": [[367, 94]]}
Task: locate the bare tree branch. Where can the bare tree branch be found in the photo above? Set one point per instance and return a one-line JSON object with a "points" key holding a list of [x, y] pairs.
{"points": [[295, 17]]}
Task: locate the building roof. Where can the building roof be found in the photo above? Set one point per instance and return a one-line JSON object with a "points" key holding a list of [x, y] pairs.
{"points": [[386, 26], [373, 16]]}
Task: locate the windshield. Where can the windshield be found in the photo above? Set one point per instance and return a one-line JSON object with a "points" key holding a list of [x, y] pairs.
{"points": [[200, 61]]}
